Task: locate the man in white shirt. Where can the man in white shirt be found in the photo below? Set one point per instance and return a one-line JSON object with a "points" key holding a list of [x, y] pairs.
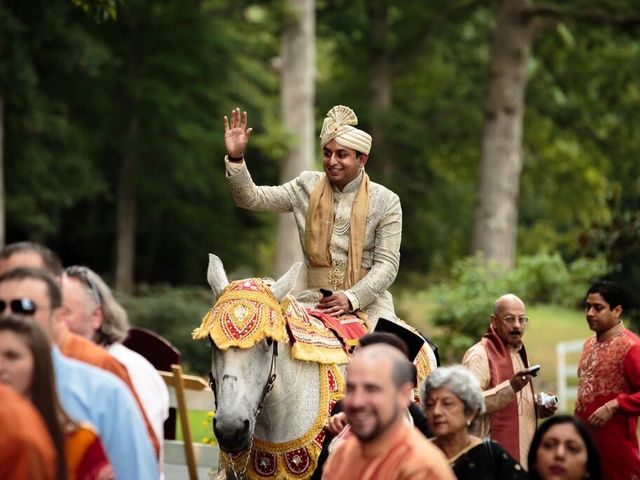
{"points": [[90, 310]]}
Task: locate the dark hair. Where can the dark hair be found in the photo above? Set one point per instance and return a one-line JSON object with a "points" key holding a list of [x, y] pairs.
{"points": [[401, 373], [386, 338], [53, 289], [594, 470], [612, 293], [42, 391], [51, 261]]}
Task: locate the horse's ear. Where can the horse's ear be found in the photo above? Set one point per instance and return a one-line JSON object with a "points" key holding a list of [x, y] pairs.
{"points": [[216, 275], [285, 283]]}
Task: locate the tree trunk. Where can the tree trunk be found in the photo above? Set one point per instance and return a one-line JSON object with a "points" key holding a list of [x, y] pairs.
{"points": [[126, 225], [496, 214], [3, 227], [380, 84], [126, 209], [297, 99]]}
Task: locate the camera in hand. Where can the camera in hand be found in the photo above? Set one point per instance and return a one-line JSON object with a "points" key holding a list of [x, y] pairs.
{"points": [[533, 370], [546, 400]]}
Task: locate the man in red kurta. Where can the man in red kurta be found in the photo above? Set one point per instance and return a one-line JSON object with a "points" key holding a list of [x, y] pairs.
{"points": [[609, 383]]}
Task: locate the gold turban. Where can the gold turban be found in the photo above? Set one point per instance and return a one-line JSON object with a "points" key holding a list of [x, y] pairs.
{"points": [[338, 126]]}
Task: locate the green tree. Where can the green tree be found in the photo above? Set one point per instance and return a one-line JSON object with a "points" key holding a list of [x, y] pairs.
{"points": [[44, 47], [429, 109], [518, 24]]}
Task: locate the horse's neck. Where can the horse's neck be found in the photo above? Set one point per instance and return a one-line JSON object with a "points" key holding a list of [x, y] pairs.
{"points": [[290, 409]]}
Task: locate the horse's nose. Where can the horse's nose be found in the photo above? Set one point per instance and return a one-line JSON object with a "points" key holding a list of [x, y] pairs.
{"points": [[232, 437]]}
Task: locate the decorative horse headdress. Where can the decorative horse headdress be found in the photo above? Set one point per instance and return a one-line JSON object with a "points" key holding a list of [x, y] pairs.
{"points": [[246, 312]]}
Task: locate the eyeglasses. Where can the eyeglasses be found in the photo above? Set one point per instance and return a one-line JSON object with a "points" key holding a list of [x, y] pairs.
{"points": [[23, 306], [511, 320], [84, 275]]}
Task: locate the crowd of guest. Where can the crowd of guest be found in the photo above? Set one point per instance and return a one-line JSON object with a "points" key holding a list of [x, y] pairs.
{"points": [[82, 406], [485, 416]]}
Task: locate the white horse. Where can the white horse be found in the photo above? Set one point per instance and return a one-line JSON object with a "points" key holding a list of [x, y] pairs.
{"points": [[271, 409], [276, 373]]}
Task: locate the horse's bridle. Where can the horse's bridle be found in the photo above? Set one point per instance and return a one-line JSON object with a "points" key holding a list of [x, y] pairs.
{"points": [[272, 378], [265, 390]]}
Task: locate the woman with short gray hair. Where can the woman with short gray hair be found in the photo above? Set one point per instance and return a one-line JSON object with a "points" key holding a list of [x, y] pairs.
{"points": [[453, 401]]}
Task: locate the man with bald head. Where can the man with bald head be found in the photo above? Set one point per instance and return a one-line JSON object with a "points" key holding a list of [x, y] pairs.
{"points": [[383, 444], [500, 362]]}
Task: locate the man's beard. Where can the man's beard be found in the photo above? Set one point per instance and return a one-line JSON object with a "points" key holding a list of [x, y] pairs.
{"points": [[379, 428]]}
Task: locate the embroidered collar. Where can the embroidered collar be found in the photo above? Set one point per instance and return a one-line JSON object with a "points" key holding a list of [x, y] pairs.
{"points": [[350, 187]]}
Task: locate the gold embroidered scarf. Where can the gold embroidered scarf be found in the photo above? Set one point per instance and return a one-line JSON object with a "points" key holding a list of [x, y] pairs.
{"points": [[319, 227]]}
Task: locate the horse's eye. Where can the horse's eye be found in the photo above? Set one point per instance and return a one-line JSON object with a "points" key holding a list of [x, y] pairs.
{"points": [[269, 341]]}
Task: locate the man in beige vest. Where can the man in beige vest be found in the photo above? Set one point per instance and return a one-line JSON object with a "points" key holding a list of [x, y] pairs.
{"points": [[350, 228]]}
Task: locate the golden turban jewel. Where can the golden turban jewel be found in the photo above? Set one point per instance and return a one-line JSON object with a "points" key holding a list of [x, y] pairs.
{"points": [[339, 126]]}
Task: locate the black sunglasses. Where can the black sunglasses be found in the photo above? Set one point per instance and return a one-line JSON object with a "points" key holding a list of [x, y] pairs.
{"points": [[24, 306]]}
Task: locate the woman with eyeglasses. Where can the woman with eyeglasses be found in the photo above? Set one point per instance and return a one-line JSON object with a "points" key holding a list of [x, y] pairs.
{"points": [[25, 365], [563, 449], [452, 401]]}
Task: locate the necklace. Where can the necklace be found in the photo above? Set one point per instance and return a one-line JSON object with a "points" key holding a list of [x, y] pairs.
{"points": [[343, 228]]}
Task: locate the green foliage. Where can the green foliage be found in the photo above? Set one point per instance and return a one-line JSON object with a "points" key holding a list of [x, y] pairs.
{"points": [[174, 313], [100, 10], [438, 53], [580, 132], [464, 304], [74, 89], [619, 241], [46, 149]]}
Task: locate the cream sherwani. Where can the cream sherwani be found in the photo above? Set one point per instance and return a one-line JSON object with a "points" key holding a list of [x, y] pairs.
{"points": [[496, 398], [383, 231]]}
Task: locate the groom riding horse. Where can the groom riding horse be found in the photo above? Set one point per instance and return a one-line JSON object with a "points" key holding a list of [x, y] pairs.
{"points": [[349, 227], [350, 230]]}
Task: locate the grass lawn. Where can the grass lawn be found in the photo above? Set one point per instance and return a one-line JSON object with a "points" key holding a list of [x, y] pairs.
{"points": [[201, 428], [549, 325]]}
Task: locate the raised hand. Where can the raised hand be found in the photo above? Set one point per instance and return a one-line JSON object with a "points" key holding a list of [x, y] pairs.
{"points": [[236, 133]]}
